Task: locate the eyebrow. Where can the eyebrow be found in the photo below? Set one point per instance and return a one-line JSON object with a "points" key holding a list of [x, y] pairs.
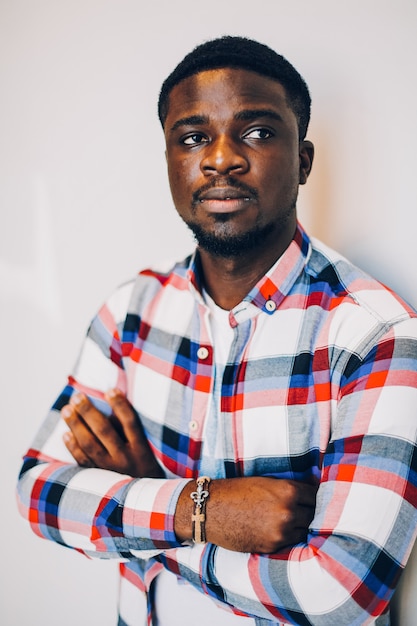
{"points": [[245, 115], [192, 120], [253, 114]]}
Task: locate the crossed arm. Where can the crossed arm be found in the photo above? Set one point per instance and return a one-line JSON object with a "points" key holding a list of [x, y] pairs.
{"points": [[233, 512], [110, 514], [364, 518]]}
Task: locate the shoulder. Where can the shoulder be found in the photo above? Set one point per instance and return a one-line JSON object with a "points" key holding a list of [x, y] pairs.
{"points": [[132, 296], [358, 311], [350, 284]]}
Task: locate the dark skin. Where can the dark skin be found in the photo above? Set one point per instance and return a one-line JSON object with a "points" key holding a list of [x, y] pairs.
{"points": [[119, 444], [235, 162], [234, 123], [233, 511]]}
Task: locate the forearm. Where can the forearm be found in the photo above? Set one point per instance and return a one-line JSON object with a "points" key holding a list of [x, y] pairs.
{"points": [[99, 512], [250, 514], [299, 585], [360, 538], [346, 570]]}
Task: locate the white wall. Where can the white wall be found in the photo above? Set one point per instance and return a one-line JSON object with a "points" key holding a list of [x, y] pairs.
{"points": [[84, 200]]}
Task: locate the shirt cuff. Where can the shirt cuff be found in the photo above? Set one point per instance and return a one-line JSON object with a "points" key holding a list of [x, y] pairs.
{"points": [[148, 513]]}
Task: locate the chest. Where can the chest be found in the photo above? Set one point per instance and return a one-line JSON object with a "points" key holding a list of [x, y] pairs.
{"points": [[267, 382]]}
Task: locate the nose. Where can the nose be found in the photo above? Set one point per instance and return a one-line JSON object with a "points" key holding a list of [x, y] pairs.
{"points": [[222, 156]]}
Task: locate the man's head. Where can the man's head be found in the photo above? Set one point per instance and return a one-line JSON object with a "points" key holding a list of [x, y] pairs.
{"points": [[242, 53], [233, 146]]}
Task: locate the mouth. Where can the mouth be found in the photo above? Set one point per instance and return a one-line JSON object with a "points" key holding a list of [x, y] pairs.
{"points": [[224, 199]]}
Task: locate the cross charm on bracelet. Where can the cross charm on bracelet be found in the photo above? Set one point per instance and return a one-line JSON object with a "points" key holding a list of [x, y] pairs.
{"points": [[198, 518]]}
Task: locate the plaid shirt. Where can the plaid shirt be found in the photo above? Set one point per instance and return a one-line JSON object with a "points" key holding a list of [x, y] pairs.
{"points": [[321, 383]]}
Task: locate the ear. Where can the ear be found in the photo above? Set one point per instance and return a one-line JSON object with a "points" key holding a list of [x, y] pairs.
{"points": [[306, 160]]}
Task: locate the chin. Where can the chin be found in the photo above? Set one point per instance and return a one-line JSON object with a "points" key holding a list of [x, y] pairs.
{"points": [[228, 246]]}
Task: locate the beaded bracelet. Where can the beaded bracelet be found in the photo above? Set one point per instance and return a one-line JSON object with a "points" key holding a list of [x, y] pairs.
{"points": [[198, 517]]}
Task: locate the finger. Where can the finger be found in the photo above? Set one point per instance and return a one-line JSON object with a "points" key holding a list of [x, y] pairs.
{"points": [[298, 535], [91, 446], [303, 517], [137, 449], [306, 494], [131, 424], [97, 423], [72, 446]]}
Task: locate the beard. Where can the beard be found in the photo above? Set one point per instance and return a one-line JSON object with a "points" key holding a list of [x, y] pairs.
{"points": [[226, 245]]}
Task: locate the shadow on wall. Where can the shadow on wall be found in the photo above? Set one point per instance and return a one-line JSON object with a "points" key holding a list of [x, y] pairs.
{"points": [[319, 219], [320, 213], [359, 245], [403, 610]]}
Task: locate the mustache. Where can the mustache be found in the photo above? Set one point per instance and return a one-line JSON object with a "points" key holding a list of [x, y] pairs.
{"points": [[224, 181]]}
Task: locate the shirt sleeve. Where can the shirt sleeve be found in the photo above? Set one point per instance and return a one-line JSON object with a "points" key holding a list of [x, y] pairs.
{"points": [[365, 522], [98, 512]]}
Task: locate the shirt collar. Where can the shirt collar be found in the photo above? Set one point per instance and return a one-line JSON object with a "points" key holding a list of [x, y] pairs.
{"points": [[271, 290]]}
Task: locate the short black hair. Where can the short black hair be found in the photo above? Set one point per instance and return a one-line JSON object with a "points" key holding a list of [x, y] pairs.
{"points": [[247, 54]]}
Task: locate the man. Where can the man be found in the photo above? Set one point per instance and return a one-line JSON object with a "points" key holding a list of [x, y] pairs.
{"points": [[211, 405]]}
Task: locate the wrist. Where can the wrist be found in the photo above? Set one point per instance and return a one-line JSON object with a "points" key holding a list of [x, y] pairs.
{"points": [[183, 514]]}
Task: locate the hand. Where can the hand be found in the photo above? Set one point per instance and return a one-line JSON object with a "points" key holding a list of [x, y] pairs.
{"points": [[117, 443], [256, 514]]}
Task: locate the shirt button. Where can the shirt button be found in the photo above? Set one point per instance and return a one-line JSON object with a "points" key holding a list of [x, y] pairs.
{"points": [[202, 353], [193, 425], [270, 306]]}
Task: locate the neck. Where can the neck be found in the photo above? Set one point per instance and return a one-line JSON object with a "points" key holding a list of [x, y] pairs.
{"points": [[229, 280]]}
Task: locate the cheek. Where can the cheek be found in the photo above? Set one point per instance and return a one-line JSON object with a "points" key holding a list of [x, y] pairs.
{"points": [[183, 177], [283, 172], [175, 177]]}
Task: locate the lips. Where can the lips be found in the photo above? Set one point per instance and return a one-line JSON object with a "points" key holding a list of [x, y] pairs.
{"points": [[224, 194], [224, 199]]}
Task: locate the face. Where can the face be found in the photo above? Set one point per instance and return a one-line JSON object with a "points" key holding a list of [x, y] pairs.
{"points": [[234, 160]]}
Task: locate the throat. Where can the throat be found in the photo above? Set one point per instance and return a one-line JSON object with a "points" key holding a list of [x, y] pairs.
{"points": [[228, 281]]}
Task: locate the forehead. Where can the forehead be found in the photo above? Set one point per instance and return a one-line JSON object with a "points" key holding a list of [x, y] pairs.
{"points": [[226, 90]]}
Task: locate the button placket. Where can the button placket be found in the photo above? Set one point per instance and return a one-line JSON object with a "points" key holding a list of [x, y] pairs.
{"points": [[203, 354]]}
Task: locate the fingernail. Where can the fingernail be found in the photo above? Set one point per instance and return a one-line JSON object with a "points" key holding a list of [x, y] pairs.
{"points": [[113, 393], [67, 437], [66, 412], [77, 398]]}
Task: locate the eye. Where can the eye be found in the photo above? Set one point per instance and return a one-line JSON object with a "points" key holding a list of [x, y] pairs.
{"points": [[259, 133], [194, 139]]}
